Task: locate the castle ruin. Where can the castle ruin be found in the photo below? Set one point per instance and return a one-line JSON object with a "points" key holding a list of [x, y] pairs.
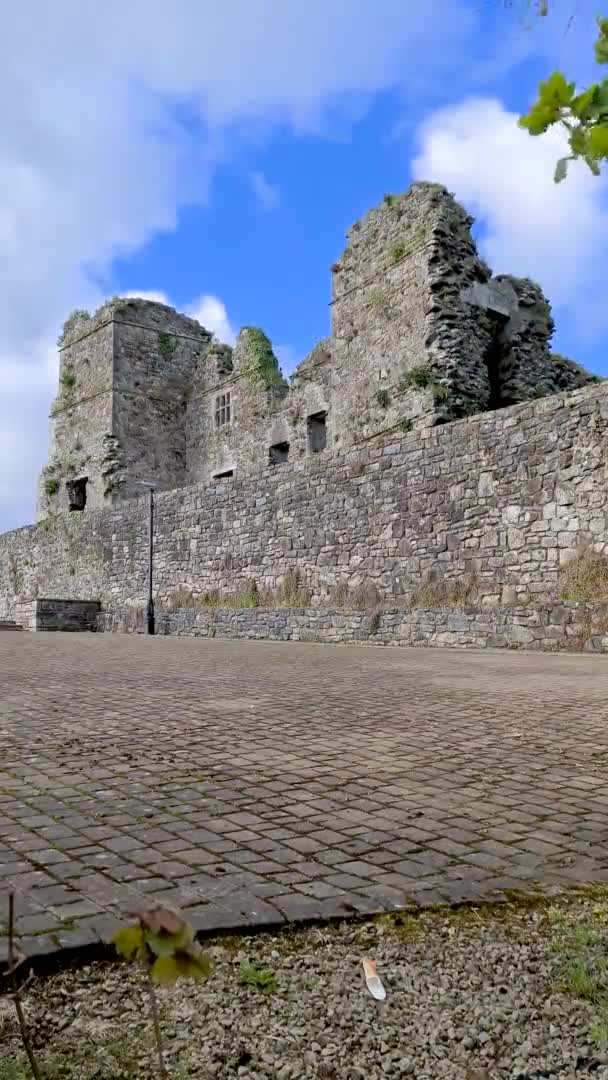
{"points": [[421, 334], [432, 436]]}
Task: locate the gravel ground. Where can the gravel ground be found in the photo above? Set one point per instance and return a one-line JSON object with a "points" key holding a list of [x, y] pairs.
{"points": [[470, 995]]}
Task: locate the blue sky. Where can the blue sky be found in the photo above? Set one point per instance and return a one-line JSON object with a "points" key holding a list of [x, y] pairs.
{"points": [[218, 162]]}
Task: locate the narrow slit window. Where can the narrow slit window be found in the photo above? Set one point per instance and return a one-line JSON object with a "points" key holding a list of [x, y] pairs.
{"points": [[223, 475], [317, 432], [223, 410]]}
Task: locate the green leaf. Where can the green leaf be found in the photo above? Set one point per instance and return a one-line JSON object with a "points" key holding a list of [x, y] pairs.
{"points": [[593, 165], [181, 965], [598, 141], [556, 92], [128, 940], [601, 45], [164, 943], [582, 103], [561, 170], [538, 119]]}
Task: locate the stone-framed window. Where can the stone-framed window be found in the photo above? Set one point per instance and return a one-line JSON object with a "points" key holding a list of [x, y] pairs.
{"points": [[317, 432], [278, 453], [77, 493], [223, 409]]}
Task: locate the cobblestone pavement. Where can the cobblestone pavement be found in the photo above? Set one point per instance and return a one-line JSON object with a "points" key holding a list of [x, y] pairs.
{"points": [[252, 782]]}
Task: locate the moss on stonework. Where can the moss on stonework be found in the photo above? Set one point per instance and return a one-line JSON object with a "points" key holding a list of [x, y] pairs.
{"points": [[73, 318], [260, 367], [167, 345]]}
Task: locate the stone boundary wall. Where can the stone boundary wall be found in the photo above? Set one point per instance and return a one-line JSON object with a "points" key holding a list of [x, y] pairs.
{"points": [[563, 626], [506, 496]]}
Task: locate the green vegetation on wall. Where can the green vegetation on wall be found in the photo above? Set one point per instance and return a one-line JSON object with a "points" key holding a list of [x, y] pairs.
{"points": [[69, 324], [260, 367], [167, 345]]}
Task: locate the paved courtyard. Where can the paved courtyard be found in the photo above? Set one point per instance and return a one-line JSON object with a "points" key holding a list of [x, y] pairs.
{"points": [[250, 783]]}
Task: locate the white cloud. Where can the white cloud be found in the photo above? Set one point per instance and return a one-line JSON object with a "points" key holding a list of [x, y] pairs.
{"points": [[208, 310], [113, 116], [554, 233], [211, 313], [267, 195]]}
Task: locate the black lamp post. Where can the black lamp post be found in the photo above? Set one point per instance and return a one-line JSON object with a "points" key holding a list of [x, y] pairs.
{"points": [[151, 485]]}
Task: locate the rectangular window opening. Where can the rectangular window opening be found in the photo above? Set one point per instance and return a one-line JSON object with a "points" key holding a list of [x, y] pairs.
{"points": [[317, 432], [77, 493], [222, 475], [278, 453], [223, 409]]}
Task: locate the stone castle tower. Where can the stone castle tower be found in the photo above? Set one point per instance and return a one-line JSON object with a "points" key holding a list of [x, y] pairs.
{"points": [[421, 334]]}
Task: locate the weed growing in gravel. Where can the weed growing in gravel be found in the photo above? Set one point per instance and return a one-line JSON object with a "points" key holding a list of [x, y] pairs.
{"points": [[583, 965], [260, 977], [163, 943]]}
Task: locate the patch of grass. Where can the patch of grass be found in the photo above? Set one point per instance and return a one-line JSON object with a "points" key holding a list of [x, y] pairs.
{"points": [[363, 597], [418, 377], [390, 200], [440, 392], [51, 486], [378, 300], [435, 592], [291, 593], [585, 576], [383, 398], [406, 425], [255, 975], [397, 252], [583, 966]]}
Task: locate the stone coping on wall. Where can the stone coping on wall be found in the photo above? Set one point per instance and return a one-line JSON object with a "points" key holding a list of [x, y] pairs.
{"points": [[564, 625]]}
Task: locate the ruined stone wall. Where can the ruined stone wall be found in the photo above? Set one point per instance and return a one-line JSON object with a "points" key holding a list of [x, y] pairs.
{"points": [[81, 417], [506, 496], [421, 335], [156, 354]]}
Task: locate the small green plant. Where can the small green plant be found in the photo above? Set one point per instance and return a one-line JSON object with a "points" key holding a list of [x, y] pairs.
{"points": [[383, 398], [397, 252], [390, 200], [51, 486], [67, 380], [255, 975], [418, 377], [440, 392], [166, 345], [164, 944], [599, 1033], [406, 425]]}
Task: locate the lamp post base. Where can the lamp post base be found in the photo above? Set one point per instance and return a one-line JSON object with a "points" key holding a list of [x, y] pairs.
{"points": [[150, 620]]}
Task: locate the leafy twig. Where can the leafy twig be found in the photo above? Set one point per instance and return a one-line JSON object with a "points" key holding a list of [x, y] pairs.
{"points": [[15, 958]]}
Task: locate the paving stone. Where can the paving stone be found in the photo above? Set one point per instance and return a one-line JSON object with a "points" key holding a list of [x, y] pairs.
{"points": [[288, 806]]}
